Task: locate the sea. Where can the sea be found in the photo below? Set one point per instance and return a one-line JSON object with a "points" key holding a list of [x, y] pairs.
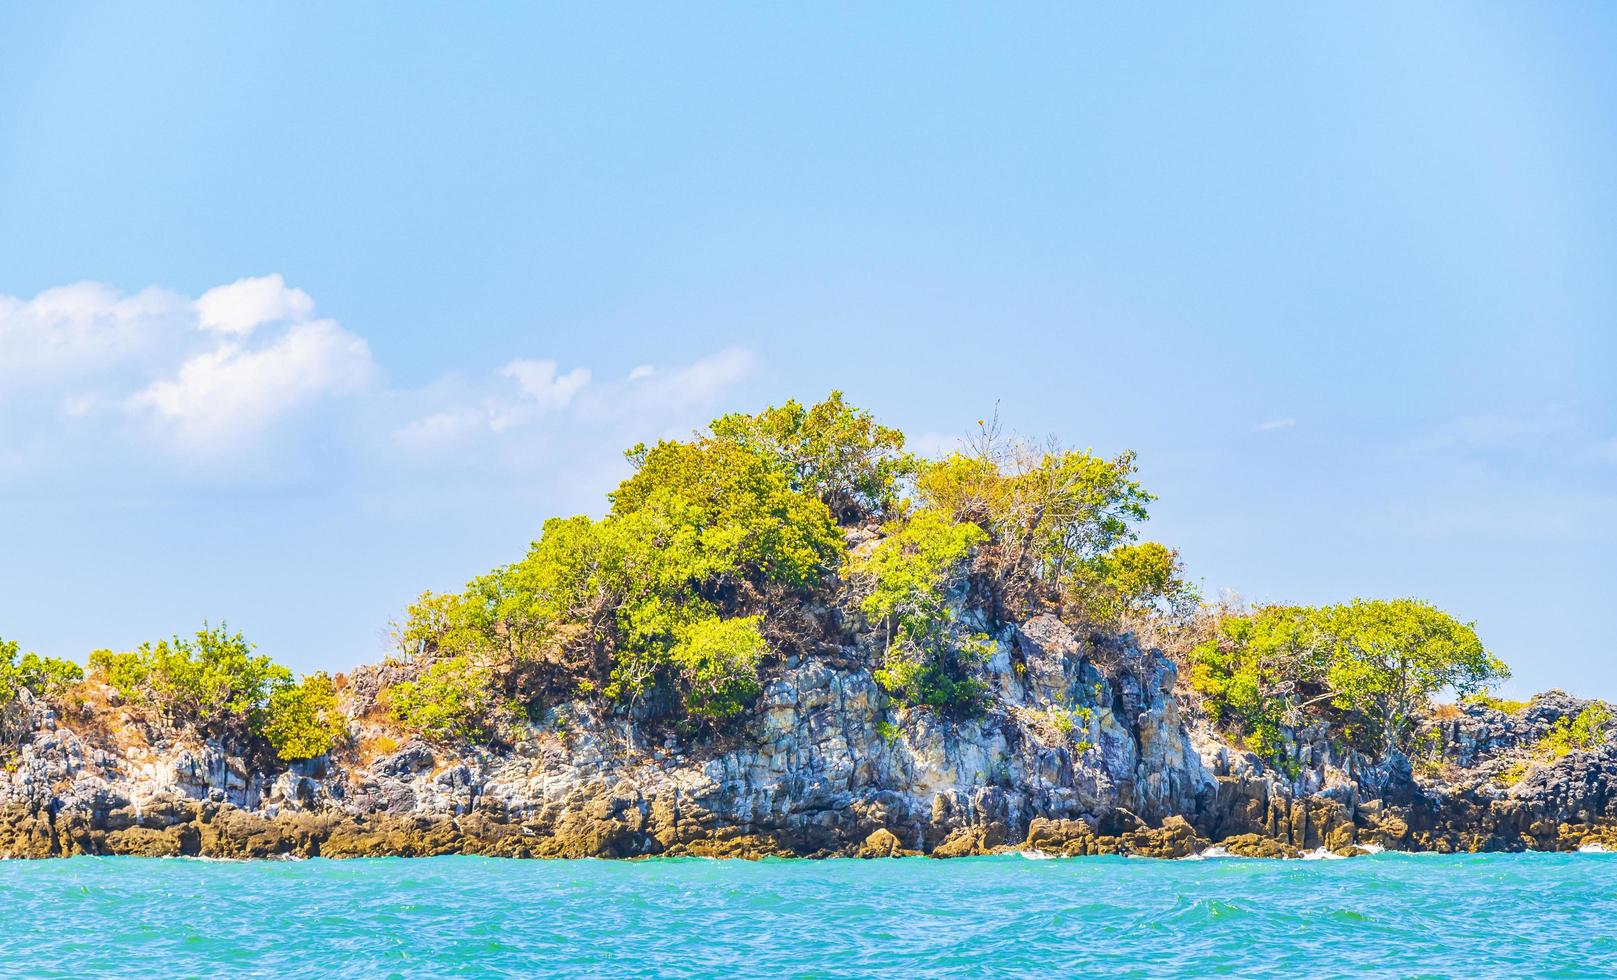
{"points": [[1392, 915]]}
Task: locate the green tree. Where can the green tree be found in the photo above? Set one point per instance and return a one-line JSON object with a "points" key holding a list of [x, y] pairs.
{"points": [[1255, 672], [301, 720], [453, 699], [1051, 515], [1388, 658], [1374, 663], [39, 676], [1132, 581], [217, 685], [929, 659], [841, 454]]}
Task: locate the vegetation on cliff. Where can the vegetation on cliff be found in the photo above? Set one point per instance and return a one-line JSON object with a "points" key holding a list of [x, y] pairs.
{"points": [[713, 549], [39, 676], [1366, 667], [214, 684], [715, 553], [810, 530]]}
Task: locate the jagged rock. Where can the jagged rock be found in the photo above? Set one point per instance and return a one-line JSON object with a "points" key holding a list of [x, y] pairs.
{"points": [[1258, 846], [1174, 839], [881, 844], [825, 765]]}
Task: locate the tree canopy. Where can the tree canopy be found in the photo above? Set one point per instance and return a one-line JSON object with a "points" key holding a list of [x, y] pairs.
{"points": [[1368, 666], [39, 676], [214, 683]]}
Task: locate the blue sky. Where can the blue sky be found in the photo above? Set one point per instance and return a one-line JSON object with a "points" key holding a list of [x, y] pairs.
{"points": [[1345, 277]]}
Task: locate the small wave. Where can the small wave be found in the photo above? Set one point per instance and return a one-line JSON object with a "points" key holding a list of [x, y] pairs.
{"points": [[1321, 854], [1212, 853], [1371, 848], [1594, 849], [203, 859], [1036, 856]]}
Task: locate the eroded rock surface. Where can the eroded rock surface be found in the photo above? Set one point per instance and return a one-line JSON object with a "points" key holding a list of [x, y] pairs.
{"points": [[824, 766]]}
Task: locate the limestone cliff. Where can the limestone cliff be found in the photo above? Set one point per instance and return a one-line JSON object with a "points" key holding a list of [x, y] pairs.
{"points": [[1089, 745]]}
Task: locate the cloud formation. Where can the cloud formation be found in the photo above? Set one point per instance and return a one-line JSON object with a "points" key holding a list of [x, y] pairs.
{"points": [[76, 331], [531, 398], [199, 377], [542, 385], [248, 375], [233, 392], [247, 304]]}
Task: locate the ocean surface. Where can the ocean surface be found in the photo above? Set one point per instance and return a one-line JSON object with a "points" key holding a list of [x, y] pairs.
{"points": [[1386, 915]]}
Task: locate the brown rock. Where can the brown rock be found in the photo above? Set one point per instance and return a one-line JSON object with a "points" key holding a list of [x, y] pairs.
{"points": [[882, 843]]}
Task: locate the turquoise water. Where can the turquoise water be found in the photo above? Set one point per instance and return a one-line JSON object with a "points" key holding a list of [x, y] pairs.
{"points": [[1392, 915]]}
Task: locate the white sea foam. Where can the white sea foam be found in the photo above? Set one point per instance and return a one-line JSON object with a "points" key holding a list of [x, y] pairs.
{"points": [[1594, 849], [1372, 848], [1321, 854], [1036, 856]]}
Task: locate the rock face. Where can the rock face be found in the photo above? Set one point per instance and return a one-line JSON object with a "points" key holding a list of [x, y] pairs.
{"points": [[1088, 747]]}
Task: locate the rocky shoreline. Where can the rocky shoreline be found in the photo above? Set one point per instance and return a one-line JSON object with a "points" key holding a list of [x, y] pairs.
{"points": [[825, 765]]}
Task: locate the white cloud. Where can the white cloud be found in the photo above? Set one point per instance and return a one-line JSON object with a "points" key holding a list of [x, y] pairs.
{"points": [[90, 355], [244, 380], [649, 394], [540, 382], [229, 394], [646, 403], [246, 304], [83, 329], [441, 430], [1274, 425]]}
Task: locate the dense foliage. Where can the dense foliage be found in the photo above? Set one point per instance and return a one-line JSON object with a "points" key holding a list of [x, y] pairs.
{"points": [[716, 551], [668, 593], [1014, 530], [1367, 667], [39, 676], [674, 596], [929, 657], [216, 685], [833, 450]]}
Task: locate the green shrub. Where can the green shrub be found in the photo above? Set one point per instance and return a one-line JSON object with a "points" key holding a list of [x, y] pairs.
{"points": [[453, 699], [1374, 664], [215, 684], [39, 676], [929, 659], [718, 661], [1584, 732], [301, 720], [212, 681]]}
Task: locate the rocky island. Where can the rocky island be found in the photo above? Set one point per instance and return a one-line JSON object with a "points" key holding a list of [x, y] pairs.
{"points": [[790, 637]]}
